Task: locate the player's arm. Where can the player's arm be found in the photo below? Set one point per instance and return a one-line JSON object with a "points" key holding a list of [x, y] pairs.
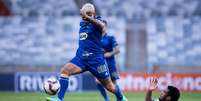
{"points": [[115, 49], [96, 22], [152, 86], [148, 95], [114, 52]]}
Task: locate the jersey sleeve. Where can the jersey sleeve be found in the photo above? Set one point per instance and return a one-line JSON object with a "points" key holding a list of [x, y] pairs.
{"points": [[99, 18], [114, 42]]}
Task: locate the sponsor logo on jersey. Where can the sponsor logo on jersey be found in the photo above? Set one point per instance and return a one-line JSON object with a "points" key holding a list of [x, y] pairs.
{"points": [[83, 36], [102, 68]]}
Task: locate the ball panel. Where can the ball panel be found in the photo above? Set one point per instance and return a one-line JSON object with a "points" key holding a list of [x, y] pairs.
{"points": [[51, 86]]}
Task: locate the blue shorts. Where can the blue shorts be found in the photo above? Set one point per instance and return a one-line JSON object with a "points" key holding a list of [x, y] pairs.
{"points": [[113, 71], [93, 63]]}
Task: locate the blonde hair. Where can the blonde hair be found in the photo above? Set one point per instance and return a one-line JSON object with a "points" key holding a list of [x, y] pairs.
{"points": [[88, 7]]}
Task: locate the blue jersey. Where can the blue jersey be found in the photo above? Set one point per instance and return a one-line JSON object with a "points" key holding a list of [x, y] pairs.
{"points": [[89, 56], [108, 43], [90, 37]]}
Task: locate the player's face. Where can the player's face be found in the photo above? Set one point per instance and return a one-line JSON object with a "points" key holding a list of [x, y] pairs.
{"points": [[163, 95], [91, 14]]}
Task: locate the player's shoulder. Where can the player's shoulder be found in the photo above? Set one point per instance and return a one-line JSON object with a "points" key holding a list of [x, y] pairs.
{"points": [[98, 17], [111, 37]]}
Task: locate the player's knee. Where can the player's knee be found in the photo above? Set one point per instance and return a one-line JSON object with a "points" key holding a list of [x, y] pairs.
{"points": [[110, 87], [114, 82], [97, 81], [65, 71]]}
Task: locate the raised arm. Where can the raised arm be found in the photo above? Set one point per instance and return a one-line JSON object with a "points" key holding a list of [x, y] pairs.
{"points": [[152, 86], [96, 22]]}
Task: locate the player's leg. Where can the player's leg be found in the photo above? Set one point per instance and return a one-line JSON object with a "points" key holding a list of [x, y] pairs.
{"points": [[108, 84], [99, 69], [114, 81], [114, 75], [102, 74], [74, 67], [66, 71], [102, 90]]}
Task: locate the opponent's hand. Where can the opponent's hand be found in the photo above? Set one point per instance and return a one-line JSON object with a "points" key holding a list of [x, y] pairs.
{"points": [[107, 54], [153, 84]]}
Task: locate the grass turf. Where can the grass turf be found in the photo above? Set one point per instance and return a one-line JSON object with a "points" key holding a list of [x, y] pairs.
{"points": [[87, 96]]}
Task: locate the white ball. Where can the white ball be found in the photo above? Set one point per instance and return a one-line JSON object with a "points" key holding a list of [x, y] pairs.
{"points": [[51, 86], [88, 7]]}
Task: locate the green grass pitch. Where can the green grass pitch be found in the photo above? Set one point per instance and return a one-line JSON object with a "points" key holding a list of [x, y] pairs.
{"points": [[87, 96]]}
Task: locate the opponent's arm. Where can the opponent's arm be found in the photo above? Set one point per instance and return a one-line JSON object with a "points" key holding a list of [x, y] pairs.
{"points": [[148, 95], [98, 23], [152, 86]]}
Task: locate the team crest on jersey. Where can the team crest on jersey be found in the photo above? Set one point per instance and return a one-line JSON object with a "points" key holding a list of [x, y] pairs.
{"points": [[83, 36]]}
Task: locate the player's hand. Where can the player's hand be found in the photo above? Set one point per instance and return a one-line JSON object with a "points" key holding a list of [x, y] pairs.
{"points": [[153, 84], [83, 14], [107, 54]]}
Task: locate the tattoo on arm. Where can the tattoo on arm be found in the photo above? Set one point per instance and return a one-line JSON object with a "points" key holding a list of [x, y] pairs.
{"points": [[98, 23]]}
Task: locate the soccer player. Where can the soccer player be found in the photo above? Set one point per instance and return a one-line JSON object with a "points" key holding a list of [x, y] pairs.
{"points": [[171, 93], [89, 55], [109, 45]]}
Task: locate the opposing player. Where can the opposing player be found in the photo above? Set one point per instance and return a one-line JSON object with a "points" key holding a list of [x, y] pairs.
{"points": [[89, 55], [109, 45], [171, 93]]}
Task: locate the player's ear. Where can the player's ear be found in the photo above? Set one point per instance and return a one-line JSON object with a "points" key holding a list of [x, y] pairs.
{"points": [[94, 13], [80, 11]]}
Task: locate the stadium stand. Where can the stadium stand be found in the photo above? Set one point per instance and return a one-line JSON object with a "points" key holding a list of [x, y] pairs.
{"points": [[36, 40], [173, 40], [39, 33]]}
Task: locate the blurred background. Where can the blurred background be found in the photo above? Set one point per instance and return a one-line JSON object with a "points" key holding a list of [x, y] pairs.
{"points": [[160, 37]]}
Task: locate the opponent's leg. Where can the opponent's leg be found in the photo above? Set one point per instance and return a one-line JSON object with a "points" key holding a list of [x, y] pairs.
{"points": [[102, 90]]}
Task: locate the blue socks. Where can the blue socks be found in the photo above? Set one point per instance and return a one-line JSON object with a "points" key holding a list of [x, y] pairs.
{"points": [[64, 85], [118, 93], [102, 91]]}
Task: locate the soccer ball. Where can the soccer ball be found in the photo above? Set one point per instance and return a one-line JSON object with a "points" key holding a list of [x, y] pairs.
{"points": [[51, 86], [88, 7]]}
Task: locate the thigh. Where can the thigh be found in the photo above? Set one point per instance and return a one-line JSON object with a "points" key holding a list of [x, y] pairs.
{"points": [[75, 66], [98, 68], [71, 69]]}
